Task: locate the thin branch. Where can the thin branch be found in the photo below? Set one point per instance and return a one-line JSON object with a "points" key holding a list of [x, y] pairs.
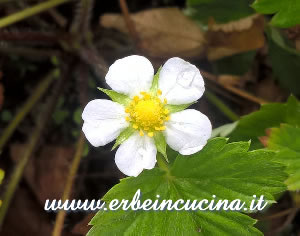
{"points": [[128, 21], [19, 169], [221, 105], [30, 12], [233, 89], [31, 36], [60, 217], [26, 108], [91, 57]]}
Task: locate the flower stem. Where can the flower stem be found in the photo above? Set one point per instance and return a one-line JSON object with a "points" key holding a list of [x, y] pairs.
{"points": [[26, 108], [19, 169], [60, 217], [29, 12], [221, 105]]}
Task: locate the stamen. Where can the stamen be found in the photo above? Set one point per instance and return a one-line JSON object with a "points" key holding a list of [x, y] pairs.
{"points": [[147, 113], [162, 128]]}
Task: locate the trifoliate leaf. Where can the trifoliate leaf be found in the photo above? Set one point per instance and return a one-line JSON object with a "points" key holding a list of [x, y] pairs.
{"points": [[254, 125], [177, 108], [221, 11], [154, 86], [285, 61], [228, 171], [161, 144], [124, 135], [286, 11], [286, 141], [116, 97]]}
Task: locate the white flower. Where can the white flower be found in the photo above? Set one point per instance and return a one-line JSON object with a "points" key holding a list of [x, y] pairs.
{"points": [[185, 131]]}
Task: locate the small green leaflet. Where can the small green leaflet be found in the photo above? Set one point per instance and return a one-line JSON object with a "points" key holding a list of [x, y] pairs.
{"points": [[124, 135], [254, 125], [116, 97], [286, 11], [228, 171], [160, 143], [286, 141], [221, 11], [177, 108], [154, 86]]}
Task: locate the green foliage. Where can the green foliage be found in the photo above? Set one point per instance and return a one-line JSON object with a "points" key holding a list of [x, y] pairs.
{"points": [[227, 170], [286, 141], [124, 135], [116, 97], [222, 11], [285, 61], [286, 11], [254, 125]]}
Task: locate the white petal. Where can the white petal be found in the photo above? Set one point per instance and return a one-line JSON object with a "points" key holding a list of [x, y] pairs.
{"points": [[130, 75], [188, 131], [180, 82], [103, 121], [135, 154]]}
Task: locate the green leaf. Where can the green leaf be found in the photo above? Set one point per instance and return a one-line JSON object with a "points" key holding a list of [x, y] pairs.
{"points": [[116, 97], [254, 125], [154, 86], [286, 141], [177, 108], [124, 135], [228, 171], [161, 144], [286, 11], [221, 11]]}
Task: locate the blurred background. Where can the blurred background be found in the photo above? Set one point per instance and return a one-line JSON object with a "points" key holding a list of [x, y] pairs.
{"points": [[53, 56]]}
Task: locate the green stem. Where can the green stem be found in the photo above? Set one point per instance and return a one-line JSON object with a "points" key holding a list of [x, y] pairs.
{"points": [[36, 95], [60, 217], [35, 137], [30, 12], [221, 105]]}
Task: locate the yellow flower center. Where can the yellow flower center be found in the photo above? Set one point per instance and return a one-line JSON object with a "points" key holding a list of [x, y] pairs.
{"points": [[147, 113]]}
